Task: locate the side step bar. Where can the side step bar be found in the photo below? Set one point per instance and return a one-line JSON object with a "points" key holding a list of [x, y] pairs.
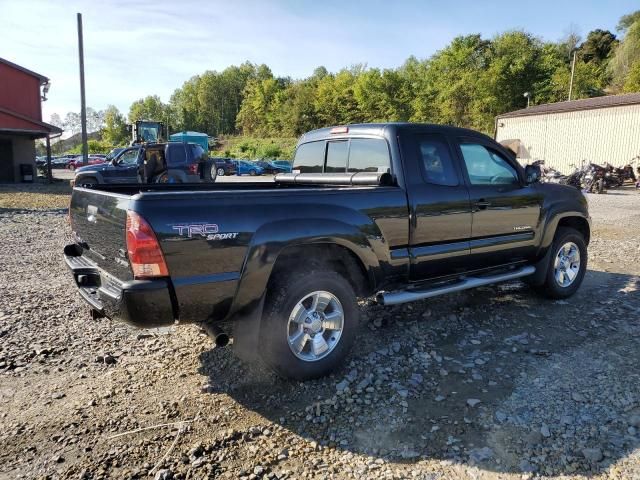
{"points": [[405, 296]]}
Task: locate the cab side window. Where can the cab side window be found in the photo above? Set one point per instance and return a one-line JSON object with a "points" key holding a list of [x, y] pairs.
{"points": [[309, 158], [130, 157], [437, 164], [487, 167]]}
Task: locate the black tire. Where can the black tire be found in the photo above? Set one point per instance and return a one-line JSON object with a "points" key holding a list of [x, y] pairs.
{"points": [[252, 173], [210, 171], [87, 181], [283, 298], [551, 288], [221, 172]]}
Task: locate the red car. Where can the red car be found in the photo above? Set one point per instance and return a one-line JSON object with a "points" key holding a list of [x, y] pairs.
{"points": [[77, 162]]}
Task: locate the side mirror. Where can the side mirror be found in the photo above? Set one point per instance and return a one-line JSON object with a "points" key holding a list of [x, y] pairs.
{"points": [[532, 173]]}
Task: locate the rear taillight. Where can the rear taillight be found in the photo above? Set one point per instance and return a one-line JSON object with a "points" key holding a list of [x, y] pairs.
{"points": [[193, 169], [145, 254]]}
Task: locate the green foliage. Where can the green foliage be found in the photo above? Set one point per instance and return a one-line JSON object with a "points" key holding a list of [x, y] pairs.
{"points": [[467, 84], [627, 54], [253, 147], [598, 46], [627, 20], [632, 83], [95, 146], [148, 108], [114, 132]]}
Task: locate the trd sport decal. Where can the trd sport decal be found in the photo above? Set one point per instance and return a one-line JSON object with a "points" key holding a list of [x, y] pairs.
{"points": [[207, 230]]}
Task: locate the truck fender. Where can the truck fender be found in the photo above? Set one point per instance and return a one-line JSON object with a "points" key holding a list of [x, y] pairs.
{"points": [[273, 238], [551, 226], [556, 218], [89, 173]]}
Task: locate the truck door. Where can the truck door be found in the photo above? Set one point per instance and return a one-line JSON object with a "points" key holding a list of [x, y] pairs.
{"points": [[126, 167], [506, 211], [440, 226]]}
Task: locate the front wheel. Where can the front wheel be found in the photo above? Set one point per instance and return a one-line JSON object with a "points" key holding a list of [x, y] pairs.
{"points": [[252, 173], [309, 324], [568, 264]]}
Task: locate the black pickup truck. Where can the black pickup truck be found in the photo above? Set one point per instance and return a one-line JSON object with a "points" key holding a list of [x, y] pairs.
{"points": [[394, 212]]}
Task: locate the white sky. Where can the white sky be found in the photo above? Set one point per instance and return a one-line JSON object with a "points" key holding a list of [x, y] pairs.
{"points": [[143, 47]]}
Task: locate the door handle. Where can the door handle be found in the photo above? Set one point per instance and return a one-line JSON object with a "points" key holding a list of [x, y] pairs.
{"points": [[482, 204]]}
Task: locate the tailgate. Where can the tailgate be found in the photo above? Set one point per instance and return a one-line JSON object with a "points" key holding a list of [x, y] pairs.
{"points": [[98, 220]]}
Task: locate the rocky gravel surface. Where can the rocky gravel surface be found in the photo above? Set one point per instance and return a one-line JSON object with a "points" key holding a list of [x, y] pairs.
{"points": [[486, 384]]}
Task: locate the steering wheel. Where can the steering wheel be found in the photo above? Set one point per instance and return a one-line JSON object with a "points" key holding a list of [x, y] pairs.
{"points": [[494, 179]]}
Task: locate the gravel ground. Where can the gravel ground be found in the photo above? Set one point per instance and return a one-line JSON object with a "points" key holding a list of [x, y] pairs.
{"points": [[486, 384]]}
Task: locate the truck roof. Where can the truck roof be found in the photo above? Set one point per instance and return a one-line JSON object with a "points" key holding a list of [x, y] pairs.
{"points": [[388, 129]]}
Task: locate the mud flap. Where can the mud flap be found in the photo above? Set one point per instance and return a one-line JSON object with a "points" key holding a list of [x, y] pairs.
{"points": [[246, 332], [542, 267]]}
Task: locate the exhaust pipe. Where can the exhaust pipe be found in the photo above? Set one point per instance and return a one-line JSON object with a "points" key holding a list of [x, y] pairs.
{"points": [[219, 337]]}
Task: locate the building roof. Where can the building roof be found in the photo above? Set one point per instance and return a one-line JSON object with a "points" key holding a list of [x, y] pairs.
{"points": [[576, 105], [42, 78], [12, 122]]}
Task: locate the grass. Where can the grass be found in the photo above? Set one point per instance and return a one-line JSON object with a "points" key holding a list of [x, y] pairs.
{"points": [[35, 196]]}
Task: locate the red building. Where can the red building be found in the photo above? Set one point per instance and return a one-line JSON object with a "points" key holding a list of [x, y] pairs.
{"points": [[20, 118]]}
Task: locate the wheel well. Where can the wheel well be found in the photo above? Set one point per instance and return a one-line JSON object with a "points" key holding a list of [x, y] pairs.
{"points": [[338, 258], [579, 224]]}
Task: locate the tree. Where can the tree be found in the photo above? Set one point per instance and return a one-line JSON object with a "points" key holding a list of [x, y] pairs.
{"points": [[95, 119], [632, 82], [598, 45], [626, 21], [627, 53], [56, 121], [148, 108], [72, 122], [115, 127]]}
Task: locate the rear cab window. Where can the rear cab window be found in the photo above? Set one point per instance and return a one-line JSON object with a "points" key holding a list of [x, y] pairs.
{"points": [[352, 155]]}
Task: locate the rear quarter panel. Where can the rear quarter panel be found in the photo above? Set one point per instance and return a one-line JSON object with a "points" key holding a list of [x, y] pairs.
{"points": [[227, 266]]}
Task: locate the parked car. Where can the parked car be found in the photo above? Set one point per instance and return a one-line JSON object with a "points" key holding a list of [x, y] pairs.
{"points": [[393, 212], [78, 162], [62, 161], [222, 166], [150, 163], [245, 167], [271, 168], [284, 165]]}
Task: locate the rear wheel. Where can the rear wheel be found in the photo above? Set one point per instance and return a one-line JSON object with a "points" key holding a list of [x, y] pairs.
{"points": [[309, 324], [221, 172], [568, 264]]}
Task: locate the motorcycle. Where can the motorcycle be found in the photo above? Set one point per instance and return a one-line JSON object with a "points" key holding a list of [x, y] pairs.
{"points": [[593, 178]]}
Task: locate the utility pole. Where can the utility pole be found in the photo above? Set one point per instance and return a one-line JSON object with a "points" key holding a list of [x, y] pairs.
{"points": [[573, 69], [83, 103]]}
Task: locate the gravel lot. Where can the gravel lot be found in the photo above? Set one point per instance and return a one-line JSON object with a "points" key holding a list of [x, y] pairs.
{"points": [[490, 383]]}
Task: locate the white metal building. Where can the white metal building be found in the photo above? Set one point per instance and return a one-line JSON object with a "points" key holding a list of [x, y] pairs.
{"points": [[564, 134]]}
